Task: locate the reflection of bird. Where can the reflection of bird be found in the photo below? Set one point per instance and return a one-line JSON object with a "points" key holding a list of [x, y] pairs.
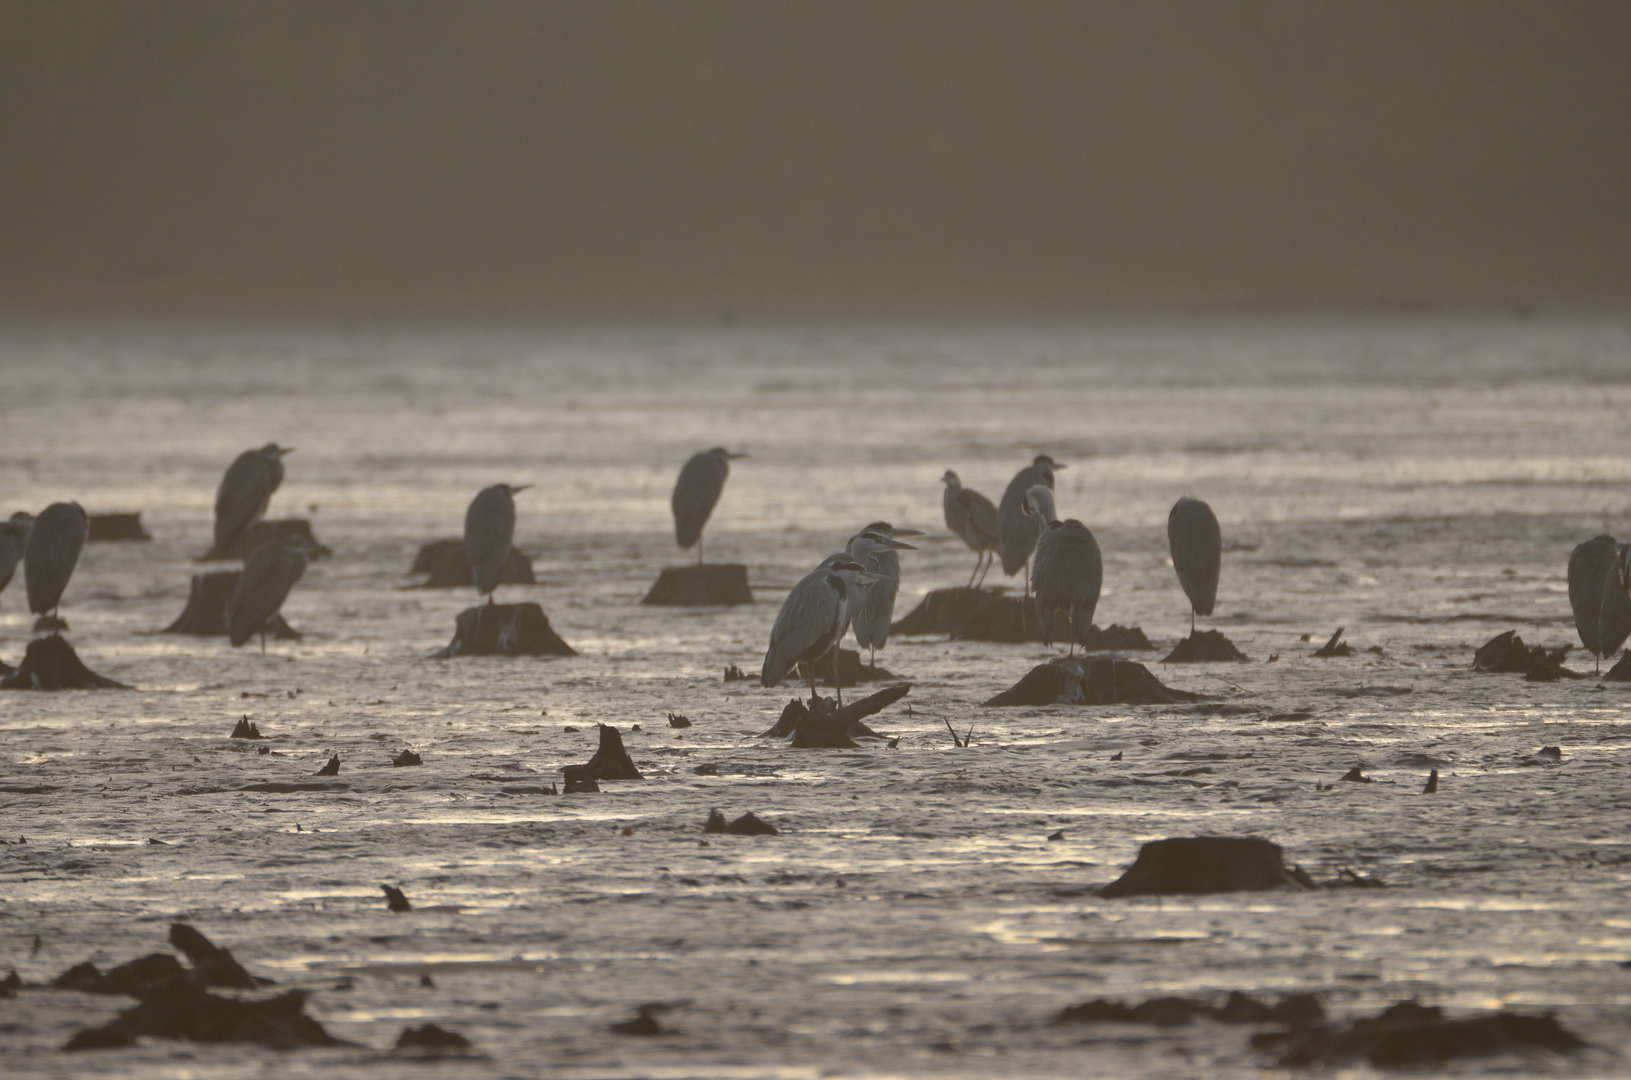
{"points": [[813, 619], [54, 542], [1614, 618], [696, 493], [245, 490], [268, 575], [874, 548], [1017, 528], [1068, 571], [13, 539], [489, 532], [1197, 553], [973, 518]]}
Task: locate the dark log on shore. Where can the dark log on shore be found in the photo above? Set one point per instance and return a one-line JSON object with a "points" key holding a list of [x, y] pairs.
{"points": [[1091, 680], [504, 630], [701, 585], [449, 568], [611, 762], [825, 726], [1195, 865], [262, 531], [50, 663], [1507, 654], [989, 615], [206, 612], [106, 527], [1205, 647]]}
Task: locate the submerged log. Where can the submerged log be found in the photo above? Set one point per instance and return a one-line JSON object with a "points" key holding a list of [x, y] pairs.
{"points": [[212, 965], [850, 670], [1091, 680], [262, 531], [701, 585], [1621, 671], [1205, 647], [206, 612], [1196, 865], [825, 725], [749, 824], [50, 663], [449, 568], [1507, 654], [504, 630], [106, 527], [1412, 1035], [990, 615], [611, 762], [180, 1009]]}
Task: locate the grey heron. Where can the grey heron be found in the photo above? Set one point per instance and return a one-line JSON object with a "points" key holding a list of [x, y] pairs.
{"points": [[268, 574], [489, 533], [874, 547], [696, 493], [54, 542], [245, 491], [813, 618], [1016, 528], [1614, 616], [1068, 571], [13, 539], [1197, 553], [972, 518], [1590, 565]]}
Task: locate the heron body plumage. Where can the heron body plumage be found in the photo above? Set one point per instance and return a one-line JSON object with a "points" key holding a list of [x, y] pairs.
{"points": [[696, 493], [13, 541], [489, 534], [1067, 574], [1614, 614], [1017, 531], [1196, 543], [813, 618], [268, 574], [55, 540], [972, 518], [246, 490], [1591, 566], [876, 549]]}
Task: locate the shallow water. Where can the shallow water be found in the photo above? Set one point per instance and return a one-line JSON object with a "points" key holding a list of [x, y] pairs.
{"points": [[1417, 480]]}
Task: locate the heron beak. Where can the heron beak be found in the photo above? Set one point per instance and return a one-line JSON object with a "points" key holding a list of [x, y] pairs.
{"points": [[1060, 465], [868, 578], [896, 545], [285, 450], [906, 532], [519, 488]]}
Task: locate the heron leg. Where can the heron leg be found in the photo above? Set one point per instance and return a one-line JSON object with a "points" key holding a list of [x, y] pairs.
{"points": [[699, 549], [837, 677], [979, 560], [990, 557], [1026, 601]]}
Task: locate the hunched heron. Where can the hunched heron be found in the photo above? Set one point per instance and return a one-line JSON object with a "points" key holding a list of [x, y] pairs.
{"points": [[55, 540], [696, 493], [875, 547], [1068, 571], [268, 574], [812, 621], [245, 491], [1016, 528], [489, 534], [1197, 554], [972, 518]]}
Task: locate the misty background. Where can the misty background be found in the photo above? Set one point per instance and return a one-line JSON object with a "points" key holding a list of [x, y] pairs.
{"points": [[704, 158]]}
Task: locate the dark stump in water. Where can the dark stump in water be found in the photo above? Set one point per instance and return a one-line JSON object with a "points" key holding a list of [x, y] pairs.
{"points": [[823, 725], [106, 527], [701, 585], [432, 1039], [262, 531], [51, 664], [1204, 647], [1193, 865], [1091, 680], [181, 1009], [448, 567], [1411, 1035], [133, 979], [1508, 655], [1334, 647], [850, 670], [990, 615], [749, 824], [1292, 1010], [206, 612], [212, 965], [504, 630], [1621, 671], [611, 762], [50, 624]]}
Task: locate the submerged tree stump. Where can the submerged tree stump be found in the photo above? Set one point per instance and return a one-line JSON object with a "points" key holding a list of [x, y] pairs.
{"points": [[701, 585], [1091, 680], [107, 527], [1196, 865], [611, 762], [504, 630], [1205, 647], [1621, 671], [1507, 654], [262, 531], [964, 614], [51, 664], [851, 671], [449, 568], [206, 612], [821, 724]]}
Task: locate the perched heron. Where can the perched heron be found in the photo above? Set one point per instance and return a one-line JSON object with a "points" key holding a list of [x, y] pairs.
{"points": [[696, 493], [13, 539], [245, 491], [1591, 564], [813, 619], [268, 575], [54, 542], [1197, 554], [1614, 617], [1016, 528], [874, 548], [489, 532], [1069, 571], [972, 518]]}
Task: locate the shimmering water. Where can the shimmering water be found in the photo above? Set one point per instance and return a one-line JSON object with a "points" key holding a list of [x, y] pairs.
{"points": [[1419, 480]]}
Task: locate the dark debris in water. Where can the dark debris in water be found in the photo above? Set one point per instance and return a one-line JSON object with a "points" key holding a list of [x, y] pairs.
{"points": [[1508, 654], [1411, 1035], [1294, 1010], [432, 1039]]}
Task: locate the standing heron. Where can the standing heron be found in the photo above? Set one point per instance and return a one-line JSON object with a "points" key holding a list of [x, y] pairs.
{"points": [[489, 533], [1069, 571], [973, 518], [54, 542], [268, 575], [1017, 530], [1197, 554], [813, 619], [1614, 616], [874, 548], [1591, 564], [13, 539], [245, 491], [696, 493]]}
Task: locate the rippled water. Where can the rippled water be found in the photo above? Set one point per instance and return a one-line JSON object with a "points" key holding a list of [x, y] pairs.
{"points": [[1419, 481]]}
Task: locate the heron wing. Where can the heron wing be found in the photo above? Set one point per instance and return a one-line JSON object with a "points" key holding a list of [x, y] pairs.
{"points": [[1016, 530], [264, 584], [489, 533], [1068, 573], [242, 497], [52, 552], [877, 611], [1591, 564], [10, 555], [1614, 618], [982, 519], [804, 624], [1197, 551], [696, 493]]}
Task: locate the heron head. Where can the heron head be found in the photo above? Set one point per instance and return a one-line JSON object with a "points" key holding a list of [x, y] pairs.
{"points": [[950, 477], [883, 540], [1039, 504], [275, 450], [513, 489], [728, 455]]}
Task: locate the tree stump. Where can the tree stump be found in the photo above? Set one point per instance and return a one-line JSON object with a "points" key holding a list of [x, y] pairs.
{"points": [[449, 568], [1091, 680], [262, 531], [1205, 647], [504, 630], [611, 762], [964, 614], [1197, 865], [51, 664], [701, 585], [106, 527], [1507, 654], [206, 612], [823, 725], [1621, 671]]}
